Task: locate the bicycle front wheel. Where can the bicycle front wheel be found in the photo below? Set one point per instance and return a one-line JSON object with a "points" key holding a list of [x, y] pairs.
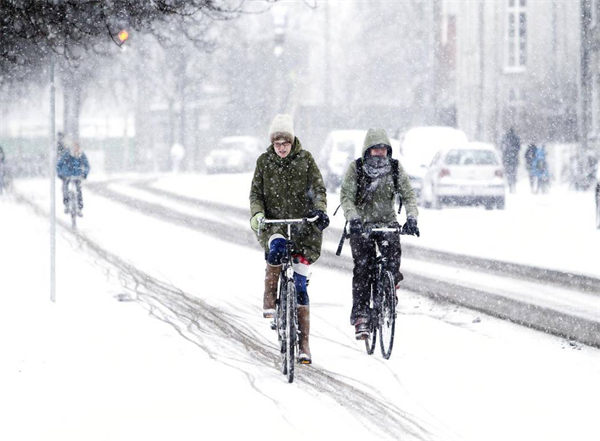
{"points": [[371, 340], [387, 317], [73, 211], [291, 334]]}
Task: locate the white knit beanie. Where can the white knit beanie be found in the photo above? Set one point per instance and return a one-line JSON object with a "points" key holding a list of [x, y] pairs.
{"points": [[282, 127]]}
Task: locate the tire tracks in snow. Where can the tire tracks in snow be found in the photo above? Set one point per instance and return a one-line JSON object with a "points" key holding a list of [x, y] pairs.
{"points": [[226, 339]]}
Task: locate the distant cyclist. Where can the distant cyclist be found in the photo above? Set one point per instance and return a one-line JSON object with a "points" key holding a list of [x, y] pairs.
{"points": [[369, 191], [73, 164]]}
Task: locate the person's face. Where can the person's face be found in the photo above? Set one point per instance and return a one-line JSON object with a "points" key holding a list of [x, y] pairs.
{"points": [[76, 150], [282, 147], [378, 151]]}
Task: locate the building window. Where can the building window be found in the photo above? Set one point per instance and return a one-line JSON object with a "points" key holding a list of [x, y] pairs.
{"points": [[516, 35]]}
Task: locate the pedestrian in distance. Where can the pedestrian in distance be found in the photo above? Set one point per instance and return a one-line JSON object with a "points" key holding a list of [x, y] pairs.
{"points": [[369, 190], [73, 164], [511, 144], [540, 171], [288, 184], [530, 154]]}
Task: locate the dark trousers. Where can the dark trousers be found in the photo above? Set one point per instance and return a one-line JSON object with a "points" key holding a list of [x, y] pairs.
{"points": [[65, 190], [363, 253]]}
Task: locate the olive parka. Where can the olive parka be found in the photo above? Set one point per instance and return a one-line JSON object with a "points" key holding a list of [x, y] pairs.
{"points": [[378, 210], [286, 188]]}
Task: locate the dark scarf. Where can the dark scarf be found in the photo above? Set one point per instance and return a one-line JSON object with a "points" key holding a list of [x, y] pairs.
{"points": [[376, 168]]}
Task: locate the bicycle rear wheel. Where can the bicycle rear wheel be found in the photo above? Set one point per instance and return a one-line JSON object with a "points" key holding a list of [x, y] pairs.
{"points": [[387, 317], [290, 328]]}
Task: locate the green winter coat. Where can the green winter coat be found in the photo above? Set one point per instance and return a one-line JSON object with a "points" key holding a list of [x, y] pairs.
{"points": [[286, 188], [380, 209]]}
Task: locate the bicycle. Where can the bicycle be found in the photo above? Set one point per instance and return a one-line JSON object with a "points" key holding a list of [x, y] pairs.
{"points": [[383, 302], [286, 308], [72, 202]]}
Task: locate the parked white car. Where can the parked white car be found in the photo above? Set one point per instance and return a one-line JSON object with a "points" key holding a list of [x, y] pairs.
{"points": [[234, 154], [470, 175], [420, 144], [339, 149]]}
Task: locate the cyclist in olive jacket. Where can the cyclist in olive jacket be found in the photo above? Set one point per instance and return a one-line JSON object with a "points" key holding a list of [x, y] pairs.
{"points": [[288, 184], [379, 179]]}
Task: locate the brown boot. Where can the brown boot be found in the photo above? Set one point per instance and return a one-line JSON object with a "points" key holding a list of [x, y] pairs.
{"points": [[271, 280], [304, 327]]}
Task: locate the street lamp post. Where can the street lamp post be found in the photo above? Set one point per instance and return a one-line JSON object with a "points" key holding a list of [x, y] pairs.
{"points": [[52, 164]]}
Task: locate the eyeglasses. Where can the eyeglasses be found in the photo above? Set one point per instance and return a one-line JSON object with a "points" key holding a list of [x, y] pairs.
{"points": [[285, 144]]}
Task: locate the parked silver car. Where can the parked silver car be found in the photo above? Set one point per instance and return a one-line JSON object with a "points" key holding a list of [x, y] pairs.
{"points": [[234, 154], [420, 144], [471, 175]]}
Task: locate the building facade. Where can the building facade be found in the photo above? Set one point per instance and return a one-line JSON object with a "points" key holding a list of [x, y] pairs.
{"points": [[517, 65], [590, 75]]}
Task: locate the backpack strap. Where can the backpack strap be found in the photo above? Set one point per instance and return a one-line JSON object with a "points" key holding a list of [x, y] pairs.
{"points": [[361, 182], [396, 176]]}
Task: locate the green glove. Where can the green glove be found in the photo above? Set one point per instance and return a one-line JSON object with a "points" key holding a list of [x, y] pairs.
{"points": [[255, 221]]}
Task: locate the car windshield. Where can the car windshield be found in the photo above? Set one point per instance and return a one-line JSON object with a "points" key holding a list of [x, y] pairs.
{"points": [[471, 157]]}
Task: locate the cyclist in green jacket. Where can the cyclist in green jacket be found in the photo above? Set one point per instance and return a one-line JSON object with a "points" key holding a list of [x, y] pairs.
{"points": [[288, 184], [368, 194]]}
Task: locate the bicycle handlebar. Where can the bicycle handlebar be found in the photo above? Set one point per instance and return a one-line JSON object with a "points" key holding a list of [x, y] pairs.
{"points": [[265, 221], [397, 230]]}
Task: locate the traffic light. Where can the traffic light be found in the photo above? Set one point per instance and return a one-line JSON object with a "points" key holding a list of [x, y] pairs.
{"points": [[123, 36]]}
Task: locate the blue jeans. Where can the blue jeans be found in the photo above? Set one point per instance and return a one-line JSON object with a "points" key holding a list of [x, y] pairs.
{"points": [[274, 256]]}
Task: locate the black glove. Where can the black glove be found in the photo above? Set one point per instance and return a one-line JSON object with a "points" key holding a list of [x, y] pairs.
{"points": [[85, 176], [410, 227], [356, 227], [323, 221]]}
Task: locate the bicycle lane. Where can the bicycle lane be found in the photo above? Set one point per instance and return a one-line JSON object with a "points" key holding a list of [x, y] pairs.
{"points": [[406, 376], [224, 321]]}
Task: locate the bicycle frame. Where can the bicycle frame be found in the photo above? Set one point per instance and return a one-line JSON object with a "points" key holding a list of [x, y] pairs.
{"points": [[72, 198]]}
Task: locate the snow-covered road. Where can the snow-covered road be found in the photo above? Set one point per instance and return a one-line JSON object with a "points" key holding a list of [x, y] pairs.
{"points": [[91, 367]]}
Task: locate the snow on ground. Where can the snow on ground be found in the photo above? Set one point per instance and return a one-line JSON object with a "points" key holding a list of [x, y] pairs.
{"points": [[91, 367]]}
